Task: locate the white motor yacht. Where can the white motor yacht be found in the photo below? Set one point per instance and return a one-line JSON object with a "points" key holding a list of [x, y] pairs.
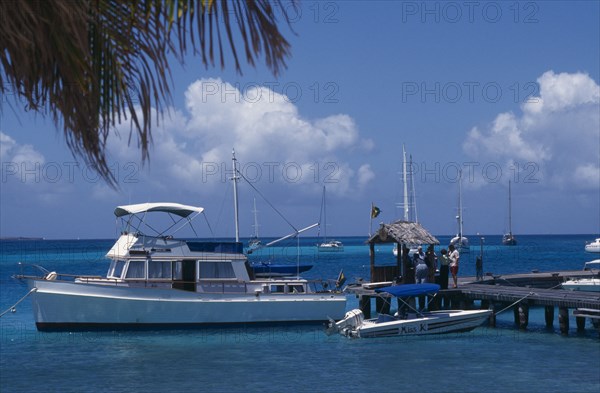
{"points": [[157, 280], [593, 246]]}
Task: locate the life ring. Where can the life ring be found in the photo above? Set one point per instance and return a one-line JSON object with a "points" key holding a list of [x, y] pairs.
{"points": [[51, 276]]}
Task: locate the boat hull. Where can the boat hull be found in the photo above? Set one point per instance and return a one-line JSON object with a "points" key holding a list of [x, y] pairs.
{"points": [[332, 246], [67, 305], [509, 240], [583, 284], [593, 247], [438, 322]]}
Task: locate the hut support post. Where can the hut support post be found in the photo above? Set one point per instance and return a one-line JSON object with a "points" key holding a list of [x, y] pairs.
{"points": [[372, 259]]}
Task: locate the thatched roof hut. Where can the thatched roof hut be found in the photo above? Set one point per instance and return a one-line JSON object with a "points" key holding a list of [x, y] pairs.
{"points": [[403, 232]]}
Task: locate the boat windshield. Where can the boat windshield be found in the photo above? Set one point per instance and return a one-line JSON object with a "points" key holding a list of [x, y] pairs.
{"points": [[116, 269]]}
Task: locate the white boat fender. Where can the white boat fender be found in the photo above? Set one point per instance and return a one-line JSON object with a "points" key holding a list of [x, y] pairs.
{"points": [[51, 276]]}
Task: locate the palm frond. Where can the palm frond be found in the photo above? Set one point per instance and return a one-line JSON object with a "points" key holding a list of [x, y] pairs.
{"points": [[93, 64]]}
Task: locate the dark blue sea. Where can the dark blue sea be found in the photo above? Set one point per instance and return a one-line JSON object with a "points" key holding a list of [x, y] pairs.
{"points": [[299, 358]]}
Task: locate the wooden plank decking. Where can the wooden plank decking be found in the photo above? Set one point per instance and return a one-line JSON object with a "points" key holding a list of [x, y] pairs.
{"points": [[532, 296]]}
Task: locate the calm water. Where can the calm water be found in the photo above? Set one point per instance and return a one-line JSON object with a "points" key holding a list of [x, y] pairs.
{"points": [[298, 359]]}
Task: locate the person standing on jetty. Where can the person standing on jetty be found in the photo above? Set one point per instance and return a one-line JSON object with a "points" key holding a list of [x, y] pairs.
{"points": [[454, 257], [408, 267], [444, 268], [421, 269], [431, 260]]}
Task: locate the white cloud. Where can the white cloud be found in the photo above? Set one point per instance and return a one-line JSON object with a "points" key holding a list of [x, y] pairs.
{"points": [[273, 142], [558, 131], [365, 176], [20, 162]]}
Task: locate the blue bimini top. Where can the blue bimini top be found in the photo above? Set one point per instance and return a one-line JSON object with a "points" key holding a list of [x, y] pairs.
{"points": [[410, 289]]}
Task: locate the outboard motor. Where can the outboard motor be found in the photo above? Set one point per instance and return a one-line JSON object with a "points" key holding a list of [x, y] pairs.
{"points": [[351, 320]]}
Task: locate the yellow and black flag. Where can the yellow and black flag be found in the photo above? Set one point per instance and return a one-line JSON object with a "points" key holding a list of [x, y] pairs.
{"points": [[340, 280], [374, 211]]}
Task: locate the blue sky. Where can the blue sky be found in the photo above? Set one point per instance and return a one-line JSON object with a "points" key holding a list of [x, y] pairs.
{"points": [[501, 90]]}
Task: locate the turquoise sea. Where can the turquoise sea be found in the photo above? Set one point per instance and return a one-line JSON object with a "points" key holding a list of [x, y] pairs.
{"points": [[299, 358]]}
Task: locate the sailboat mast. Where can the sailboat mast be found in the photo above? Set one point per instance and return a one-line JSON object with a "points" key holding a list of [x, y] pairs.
{"points": [[413, 202], [255, 220], [235, 197], [509, 210], [459, 217], [324, 216], [404, 179]]}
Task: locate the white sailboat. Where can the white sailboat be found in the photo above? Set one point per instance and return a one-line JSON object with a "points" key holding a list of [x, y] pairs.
{"points": [[409, 204], [255, 240], [460, 242], [328, 245], [509, 239]]}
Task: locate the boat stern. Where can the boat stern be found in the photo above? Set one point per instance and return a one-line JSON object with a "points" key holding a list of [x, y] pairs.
{"points": [[348, 324]]}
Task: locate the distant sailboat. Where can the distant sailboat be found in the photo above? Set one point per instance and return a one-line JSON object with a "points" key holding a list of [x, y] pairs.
{"points": [[459, 241], [255, 240], [328, 245], [509, 239]]}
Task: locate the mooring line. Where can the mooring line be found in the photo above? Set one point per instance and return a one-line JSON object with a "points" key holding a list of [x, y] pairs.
{"points": [[518, 301], [13, 309]]}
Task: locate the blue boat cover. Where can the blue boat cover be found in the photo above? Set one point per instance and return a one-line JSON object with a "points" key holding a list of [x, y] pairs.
{"points": [[410, 289], [280, 269]]}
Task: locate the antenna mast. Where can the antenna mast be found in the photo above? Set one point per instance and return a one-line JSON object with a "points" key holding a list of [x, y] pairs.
{"points": [[235, 196]]}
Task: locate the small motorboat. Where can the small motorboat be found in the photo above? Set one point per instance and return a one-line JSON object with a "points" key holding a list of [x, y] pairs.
{"points": [[331, 245], [593, 246], [408, 322]]}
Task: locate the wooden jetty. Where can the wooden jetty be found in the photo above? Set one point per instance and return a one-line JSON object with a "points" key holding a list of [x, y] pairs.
{"points": [[498, 292], [522, 298]]}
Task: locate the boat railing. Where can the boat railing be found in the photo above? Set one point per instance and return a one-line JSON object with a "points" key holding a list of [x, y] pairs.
{"points": [[23, 266], [45, 273]]}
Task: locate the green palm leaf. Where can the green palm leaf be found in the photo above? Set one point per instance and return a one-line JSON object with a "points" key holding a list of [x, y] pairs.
{"points": [[91, 64]]}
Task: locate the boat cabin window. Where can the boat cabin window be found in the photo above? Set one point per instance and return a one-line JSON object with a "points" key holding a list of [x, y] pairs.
{"points": [[289, 288], [116, 269], [280, 288], [178, 270], [136, 269], [296, 288], [159, 270], [210, 270]]}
